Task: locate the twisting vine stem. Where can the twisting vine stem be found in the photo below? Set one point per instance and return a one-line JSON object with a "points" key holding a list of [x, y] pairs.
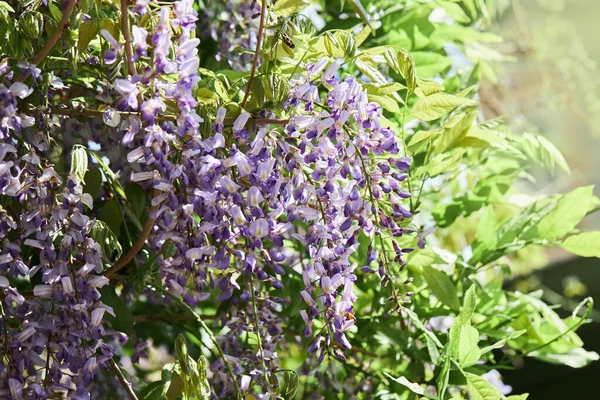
{"points": [[64, 21], [263, 14], [124, 382], [135, 249], [127, 36], [259, 338]]}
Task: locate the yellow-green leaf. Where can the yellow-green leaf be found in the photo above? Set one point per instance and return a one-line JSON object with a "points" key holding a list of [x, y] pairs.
{"points": [[468, 351], [481, 389], [441, 287], [87, 31], [585, 244], [570, 210], [437, 105], [204, 95], [285, 8]]}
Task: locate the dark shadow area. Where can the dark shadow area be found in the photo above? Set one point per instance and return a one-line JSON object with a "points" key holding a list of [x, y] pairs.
{"points": [[548, 381]]}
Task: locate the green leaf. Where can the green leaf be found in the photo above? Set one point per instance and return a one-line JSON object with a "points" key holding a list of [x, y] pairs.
{"points": [[463, 319], [386, 102], [427, 88], [413, 387], [363, 35], [570, 210], [202, 367], [468, 351], [340, 44], [455, 129], [360, 10], [440, 164], [443, 378], [176, 387], [136, 199], [455, 11], [205, 96], [481, 389], [123, 321], [32, 24], [182, 354], [153, 391], [419, 258], [499, 344], [373, 73], [486, 235], [110, 176], [93, 182], [487, 191], [5, 7], [441, 287], [540, 150], [276, 90], [55, 12], [383, 88], [286, 8], [437, 105], [79, 163], [111, 215], [111, 27], [434, 353], [468, 308], [104, 236], [290, 384], [523, 396], [408, 69], [586, 244], [414, 318], [330, 43], [574, 358], [430, 64], [87, 31]]}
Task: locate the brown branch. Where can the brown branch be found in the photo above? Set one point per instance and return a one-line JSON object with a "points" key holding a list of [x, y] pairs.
{"points": [[127, 36], [128, 47], [64, 21], [70, 112], [124, 382], [263, 14], [135, 249], [271, 121], [169, 317]]}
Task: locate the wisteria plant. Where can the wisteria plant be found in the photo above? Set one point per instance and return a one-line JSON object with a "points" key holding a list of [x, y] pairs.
{"points": [[295, 200]]}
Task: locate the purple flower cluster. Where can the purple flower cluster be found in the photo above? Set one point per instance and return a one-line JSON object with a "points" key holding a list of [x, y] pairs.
{"points": [[233, 24], [53, 339], [339, 172], [316, 181], [236, 209]]}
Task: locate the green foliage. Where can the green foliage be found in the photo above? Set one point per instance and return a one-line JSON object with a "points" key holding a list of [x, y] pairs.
{"points": [[186, 379]]}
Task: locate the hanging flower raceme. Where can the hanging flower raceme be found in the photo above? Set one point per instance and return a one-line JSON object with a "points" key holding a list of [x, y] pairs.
{"points": [[58, 326]]}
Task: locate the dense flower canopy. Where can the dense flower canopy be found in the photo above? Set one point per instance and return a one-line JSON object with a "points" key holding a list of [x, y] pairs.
{"points": [[273, 193]]}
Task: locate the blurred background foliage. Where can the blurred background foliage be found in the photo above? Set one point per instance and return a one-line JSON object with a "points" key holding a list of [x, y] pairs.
{"points": [[552, 87]]}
